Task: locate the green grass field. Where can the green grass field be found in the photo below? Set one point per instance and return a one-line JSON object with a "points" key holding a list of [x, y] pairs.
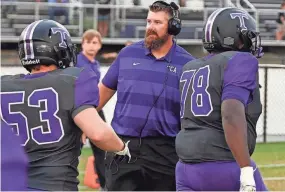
{"points": [[265, 154]]}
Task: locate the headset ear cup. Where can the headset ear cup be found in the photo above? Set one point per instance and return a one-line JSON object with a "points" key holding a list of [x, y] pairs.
{"points": [[174, 26]]}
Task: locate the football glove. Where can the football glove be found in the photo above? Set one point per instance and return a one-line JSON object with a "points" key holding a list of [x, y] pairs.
{"points": [[125, 151], [247, 182]]}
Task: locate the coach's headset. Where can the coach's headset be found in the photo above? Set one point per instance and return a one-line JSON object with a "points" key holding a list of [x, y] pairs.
{"points": [[174, 23]]}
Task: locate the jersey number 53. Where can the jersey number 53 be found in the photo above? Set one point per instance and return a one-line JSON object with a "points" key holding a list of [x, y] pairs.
{"points": [[19, 121]]}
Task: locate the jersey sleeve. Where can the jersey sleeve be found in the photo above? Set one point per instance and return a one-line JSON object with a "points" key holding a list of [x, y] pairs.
{"points": [[240, 78], [110, 80], [86, 91]]}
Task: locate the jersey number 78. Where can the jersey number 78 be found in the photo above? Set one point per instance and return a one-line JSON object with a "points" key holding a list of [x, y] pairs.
{"points": [[200, 99]]}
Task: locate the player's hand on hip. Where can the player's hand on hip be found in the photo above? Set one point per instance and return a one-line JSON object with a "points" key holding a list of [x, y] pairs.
{"points": [[125, 151], [247, 182]]}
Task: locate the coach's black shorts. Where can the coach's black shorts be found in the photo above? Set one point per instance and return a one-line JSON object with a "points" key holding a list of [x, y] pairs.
{"points": [[152, 166]]}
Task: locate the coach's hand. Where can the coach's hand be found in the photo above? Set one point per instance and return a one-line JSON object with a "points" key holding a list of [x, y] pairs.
{"points": [[125, 151], [247, 182]]}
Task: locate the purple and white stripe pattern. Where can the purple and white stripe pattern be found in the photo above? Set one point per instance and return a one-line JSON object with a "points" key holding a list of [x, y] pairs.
{"points": [[28, 42], [209, 24]]}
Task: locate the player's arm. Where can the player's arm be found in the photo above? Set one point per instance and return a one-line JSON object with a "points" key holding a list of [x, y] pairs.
{"points": [[240, 80], [235, 127], [239, 84], [85, 116], [99, 132], [108, 86]]}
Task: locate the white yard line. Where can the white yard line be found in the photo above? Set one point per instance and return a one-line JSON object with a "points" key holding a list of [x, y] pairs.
{"points": [[271, 165], [274, 179]]}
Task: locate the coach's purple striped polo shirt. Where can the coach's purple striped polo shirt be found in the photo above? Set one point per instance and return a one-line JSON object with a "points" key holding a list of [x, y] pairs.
{"points": [[140, 79]]}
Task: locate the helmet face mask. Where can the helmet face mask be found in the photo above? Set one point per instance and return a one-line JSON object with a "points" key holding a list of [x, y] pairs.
{"points": [[46, 42], [252, 41], [231, 29]]}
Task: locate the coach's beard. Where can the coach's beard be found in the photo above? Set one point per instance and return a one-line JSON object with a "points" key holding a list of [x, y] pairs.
{"points": [[153, 41]]}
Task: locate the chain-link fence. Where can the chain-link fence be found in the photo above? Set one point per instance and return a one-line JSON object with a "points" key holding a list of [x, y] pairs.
{"points": [[271, 124]]}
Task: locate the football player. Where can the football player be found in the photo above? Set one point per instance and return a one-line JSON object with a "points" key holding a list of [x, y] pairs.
{"points": [[51, 107], [220, 106]]}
